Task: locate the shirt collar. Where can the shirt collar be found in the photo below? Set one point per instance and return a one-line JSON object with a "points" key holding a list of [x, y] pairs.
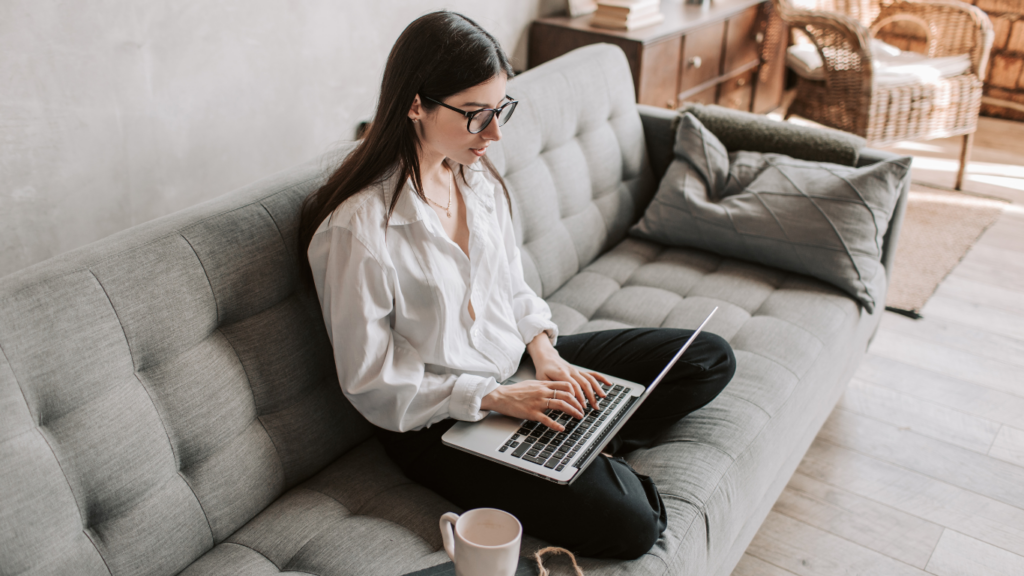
{"points": [[410, 208]]}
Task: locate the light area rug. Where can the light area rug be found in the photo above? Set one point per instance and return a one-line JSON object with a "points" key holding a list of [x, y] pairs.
{"points": [[938, 230]]}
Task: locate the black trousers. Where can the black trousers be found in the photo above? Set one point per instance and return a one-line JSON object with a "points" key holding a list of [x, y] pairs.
{"points": [[610, 510]]}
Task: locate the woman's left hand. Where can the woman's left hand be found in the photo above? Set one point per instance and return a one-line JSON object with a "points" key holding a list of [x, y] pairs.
{"points": [[550, 366]]}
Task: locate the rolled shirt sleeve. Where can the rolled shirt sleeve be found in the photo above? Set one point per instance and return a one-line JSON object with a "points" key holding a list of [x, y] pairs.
{"points": [[533, 324], [467, 393], [380, 373]]}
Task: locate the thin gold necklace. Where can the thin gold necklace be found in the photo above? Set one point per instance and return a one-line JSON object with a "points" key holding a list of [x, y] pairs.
{"points": [[447, 209]]}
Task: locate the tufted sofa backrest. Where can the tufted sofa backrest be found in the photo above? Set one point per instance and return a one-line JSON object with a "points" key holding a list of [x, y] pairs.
{"points": [[162, 386], [574, 159]]}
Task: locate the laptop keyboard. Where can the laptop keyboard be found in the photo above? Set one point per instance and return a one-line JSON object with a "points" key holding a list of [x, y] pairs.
{"points": [[536, 443]]}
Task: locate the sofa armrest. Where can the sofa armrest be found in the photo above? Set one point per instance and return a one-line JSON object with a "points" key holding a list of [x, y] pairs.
{"points": [[892, 235], [739, 130], [660, 136]]}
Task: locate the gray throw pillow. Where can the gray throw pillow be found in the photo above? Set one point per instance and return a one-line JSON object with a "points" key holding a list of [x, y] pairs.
{"points": [[815, 218]]}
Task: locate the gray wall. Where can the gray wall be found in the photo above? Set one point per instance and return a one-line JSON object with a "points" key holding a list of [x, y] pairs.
{"points": [[116, 112]]}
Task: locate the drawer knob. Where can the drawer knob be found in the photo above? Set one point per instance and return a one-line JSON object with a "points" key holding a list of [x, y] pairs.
{"points": [[670, 104], [696, 62], [759, 37], [741, 82]]}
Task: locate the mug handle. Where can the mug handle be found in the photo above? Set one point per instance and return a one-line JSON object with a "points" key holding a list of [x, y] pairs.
{"points": [[447, 533]]}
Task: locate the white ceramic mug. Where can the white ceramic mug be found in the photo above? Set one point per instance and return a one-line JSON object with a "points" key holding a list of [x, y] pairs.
{"points": [[484, 542]]}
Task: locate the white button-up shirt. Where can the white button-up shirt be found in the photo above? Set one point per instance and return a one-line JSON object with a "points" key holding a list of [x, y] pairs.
{"points": [[396, 303]]}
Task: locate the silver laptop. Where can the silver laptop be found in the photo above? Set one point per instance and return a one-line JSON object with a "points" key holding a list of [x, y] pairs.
{"points": [[557, 456]]}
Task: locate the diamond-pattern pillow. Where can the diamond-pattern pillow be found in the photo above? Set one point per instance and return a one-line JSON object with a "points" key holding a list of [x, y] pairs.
{"points": [[815, 218]]}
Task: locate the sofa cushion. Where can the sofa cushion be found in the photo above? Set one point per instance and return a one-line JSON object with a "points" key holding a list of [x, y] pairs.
{"points": [[641, 283], [359, 516], [815, 218]]}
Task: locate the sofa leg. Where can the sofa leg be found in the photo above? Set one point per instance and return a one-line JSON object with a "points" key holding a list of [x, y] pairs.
{"points": [[965, 157]]}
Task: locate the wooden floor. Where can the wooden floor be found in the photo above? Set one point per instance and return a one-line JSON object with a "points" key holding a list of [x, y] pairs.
{"points": [[920, 469]]}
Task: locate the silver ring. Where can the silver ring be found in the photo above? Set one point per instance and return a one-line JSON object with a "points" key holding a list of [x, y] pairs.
{"points": [[548, 404], [554, 394]]}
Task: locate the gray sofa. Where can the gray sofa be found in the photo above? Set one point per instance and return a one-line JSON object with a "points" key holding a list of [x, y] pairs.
{"points": [[168, 402]]}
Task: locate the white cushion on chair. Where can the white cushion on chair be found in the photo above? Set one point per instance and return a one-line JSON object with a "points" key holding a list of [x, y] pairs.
{"points": [[892, 66]]}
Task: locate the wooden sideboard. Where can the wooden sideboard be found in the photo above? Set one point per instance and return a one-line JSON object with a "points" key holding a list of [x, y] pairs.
{"points": [[726, 52]]}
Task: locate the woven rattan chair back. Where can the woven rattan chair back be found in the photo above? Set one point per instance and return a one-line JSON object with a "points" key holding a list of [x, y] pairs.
{"points": [[849, 98]]}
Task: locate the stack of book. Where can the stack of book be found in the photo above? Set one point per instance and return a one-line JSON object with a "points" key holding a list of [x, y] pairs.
{"points": [[627, 14]]}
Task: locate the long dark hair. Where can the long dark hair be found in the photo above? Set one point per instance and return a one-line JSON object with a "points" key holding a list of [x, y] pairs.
{"points": [[439, 54]]}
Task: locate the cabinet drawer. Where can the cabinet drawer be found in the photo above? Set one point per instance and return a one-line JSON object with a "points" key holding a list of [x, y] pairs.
{"points": [[702, 56], [659, 73], [737, 92], [742, 39]]}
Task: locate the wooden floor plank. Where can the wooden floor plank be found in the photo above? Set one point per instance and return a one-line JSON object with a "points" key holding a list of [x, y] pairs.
{"points": [[807, 551], [976, 328], [1008, 258], [1007, 232], [751, 566], [1009, 445], [982, 185], [1001, 150], [916, 494], [993, 265], [969, 470], [997, 135], [926, 418], [999, 330], [1008, 189], [960, 555], [960, 364], [875, 526], [962, 288], [941, 389], [983, 178]]}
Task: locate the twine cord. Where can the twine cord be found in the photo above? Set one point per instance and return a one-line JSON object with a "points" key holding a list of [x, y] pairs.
{"points": [[555, 550]]}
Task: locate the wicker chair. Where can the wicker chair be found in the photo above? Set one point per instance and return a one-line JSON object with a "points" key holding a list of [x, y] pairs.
{"points": [[850, 100]]}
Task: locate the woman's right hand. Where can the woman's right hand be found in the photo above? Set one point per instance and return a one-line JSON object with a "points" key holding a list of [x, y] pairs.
{"points": [[530, 398]]}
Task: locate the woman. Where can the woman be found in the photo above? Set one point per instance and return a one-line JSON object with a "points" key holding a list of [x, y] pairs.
{"points": [[412, 252]]}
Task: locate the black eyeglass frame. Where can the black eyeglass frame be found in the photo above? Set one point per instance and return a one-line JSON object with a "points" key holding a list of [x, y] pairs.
{"points": [[495, 112]]}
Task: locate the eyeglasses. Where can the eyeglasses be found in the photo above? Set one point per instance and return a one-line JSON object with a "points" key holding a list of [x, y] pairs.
{"points": [[478, 120]]}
